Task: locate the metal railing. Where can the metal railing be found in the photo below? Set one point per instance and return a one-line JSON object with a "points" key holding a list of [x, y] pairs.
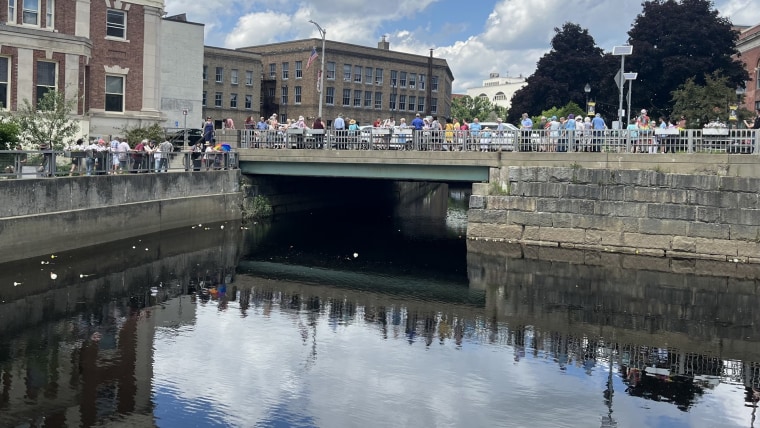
{"points": [[734, 141], [55, 163]]}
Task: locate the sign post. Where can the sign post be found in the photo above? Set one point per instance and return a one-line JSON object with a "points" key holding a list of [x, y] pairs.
{"points": [[184, 113]]}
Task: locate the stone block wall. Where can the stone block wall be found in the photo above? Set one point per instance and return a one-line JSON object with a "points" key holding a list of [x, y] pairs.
{"points": [[629, 211]]}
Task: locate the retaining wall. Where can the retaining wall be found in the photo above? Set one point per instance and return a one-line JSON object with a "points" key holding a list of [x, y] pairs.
{"points": [[629, 211], [42, 216]]}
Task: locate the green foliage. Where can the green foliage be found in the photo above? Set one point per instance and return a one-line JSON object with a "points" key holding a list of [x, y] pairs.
{"points": [[257, 207], [674, 41], [701, 104], [8, 135], [136, 134], [469, 108], [565, 111], [562, 73], [49, 121]]}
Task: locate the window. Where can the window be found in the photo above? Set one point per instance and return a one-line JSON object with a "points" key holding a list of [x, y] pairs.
{"points": [[402, 80], [205, 99], [330, 95], [346, 97], [248, 102], [346, 72], [434, 105], [46, 72], [50, 14], [233, 100], [412, 80], [392, 103], [357, 74], [368, 75], [219, 74], [299, 69], [284, 95], [357, 98], [234, 77], [298, 95], [394, 78], [368, 99], [285, 70], [12, 11], [757, 76], [378, 100], [422, 82], [270, 93], [31, 9], [248, 78], [205, 73], [218, 99], [4, 80], [272, 71], [116, 24], [115, 93], [420, 103], [500, 96], [434, 83], [412, 103], [330, 70], [402, 102], [378, 76]]}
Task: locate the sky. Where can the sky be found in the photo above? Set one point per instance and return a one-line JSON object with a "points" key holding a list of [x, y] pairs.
{"points": [[476, 38]]}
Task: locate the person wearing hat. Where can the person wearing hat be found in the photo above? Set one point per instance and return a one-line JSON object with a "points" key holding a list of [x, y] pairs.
{"points": [[569, 133]]}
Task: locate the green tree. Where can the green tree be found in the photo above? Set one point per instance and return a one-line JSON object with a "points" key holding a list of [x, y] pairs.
{"points": [[674, 41], [562, 73], [467, 107], [136, 134], [701, 104], [8, 135], [49, 121]]}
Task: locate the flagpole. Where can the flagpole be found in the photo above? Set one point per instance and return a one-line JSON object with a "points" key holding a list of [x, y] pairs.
{"points": [[322, 32]]}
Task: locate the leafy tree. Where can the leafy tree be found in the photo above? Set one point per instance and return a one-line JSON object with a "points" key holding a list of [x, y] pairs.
{"points": [[467, 107], [136, 134], [674, 41], [701, 104], [8, 135], [49, 122], [562, 73]]}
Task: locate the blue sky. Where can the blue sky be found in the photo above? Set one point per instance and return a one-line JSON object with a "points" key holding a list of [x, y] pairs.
{"points": [[476, 37]]}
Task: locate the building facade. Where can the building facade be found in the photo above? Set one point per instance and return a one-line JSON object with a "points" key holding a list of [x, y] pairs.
{"points": [[749, 49], [498, 90], [106, 54], [181, 64], [231, 86], [359, 82]]}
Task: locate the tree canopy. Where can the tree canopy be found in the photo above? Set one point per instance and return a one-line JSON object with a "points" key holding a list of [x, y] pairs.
{"points": [[562, 73], [701, 104], [467, 107], [677, 41], [49, 121]]}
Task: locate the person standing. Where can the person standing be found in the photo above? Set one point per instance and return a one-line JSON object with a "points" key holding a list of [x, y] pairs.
{"points": [[526, 131], [598, 126], [123, 154], [90, 152], [112, 152], [208, 130], [418, 123], [319, 135], [76, 150], [164, 151], [339, 125]]}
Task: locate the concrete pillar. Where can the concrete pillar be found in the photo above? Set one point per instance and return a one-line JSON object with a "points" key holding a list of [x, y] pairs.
{"points": [[151, 63]]}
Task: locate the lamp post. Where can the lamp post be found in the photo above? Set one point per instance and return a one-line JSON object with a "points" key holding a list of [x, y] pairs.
{"points": [[622, 51], [587, 90], [322, 32]]}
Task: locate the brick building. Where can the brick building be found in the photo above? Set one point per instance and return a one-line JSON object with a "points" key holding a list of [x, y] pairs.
{"points": [[231, 85], [360, 82], [749, 48], [104, 53]]}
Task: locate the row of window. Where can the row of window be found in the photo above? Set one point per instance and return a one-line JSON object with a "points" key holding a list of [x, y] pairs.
{"points": [[116, 20], [219, 76], [219, 100], [360, 74], [47, 80]]}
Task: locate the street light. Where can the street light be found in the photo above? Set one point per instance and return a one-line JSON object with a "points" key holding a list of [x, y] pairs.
{"points": [[622, 51], [322, 32], [587, 90]]}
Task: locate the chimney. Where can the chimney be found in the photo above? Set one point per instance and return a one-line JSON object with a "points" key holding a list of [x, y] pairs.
{"points": [[384, 44]]}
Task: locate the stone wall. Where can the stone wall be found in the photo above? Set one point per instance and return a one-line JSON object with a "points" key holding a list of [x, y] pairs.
{"points": [[43, 216], [629, 211]]}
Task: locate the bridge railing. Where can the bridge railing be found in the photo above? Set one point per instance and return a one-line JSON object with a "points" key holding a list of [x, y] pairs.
{"points": [[56, 163], [722, 140]]}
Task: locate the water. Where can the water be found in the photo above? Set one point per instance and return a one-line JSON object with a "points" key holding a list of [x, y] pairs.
{"points": [[369, 319]]}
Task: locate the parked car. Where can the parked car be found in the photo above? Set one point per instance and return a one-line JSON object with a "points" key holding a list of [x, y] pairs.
{"points": [[177, 138], [499, 140]]}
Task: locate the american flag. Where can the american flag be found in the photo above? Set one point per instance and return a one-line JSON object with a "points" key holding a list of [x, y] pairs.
{"points": [[312, 57]]}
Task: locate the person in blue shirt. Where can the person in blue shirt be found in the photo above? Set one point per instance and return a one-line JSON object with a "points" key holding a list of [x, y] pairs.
{"points": [[262, 124], [598, 125], [569, 127], [526, 125], [417, 123]]}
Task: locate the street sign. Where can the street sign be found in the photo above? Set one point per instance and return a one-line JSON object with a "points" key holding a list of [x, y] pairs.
{"points": [[618, 77]]}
